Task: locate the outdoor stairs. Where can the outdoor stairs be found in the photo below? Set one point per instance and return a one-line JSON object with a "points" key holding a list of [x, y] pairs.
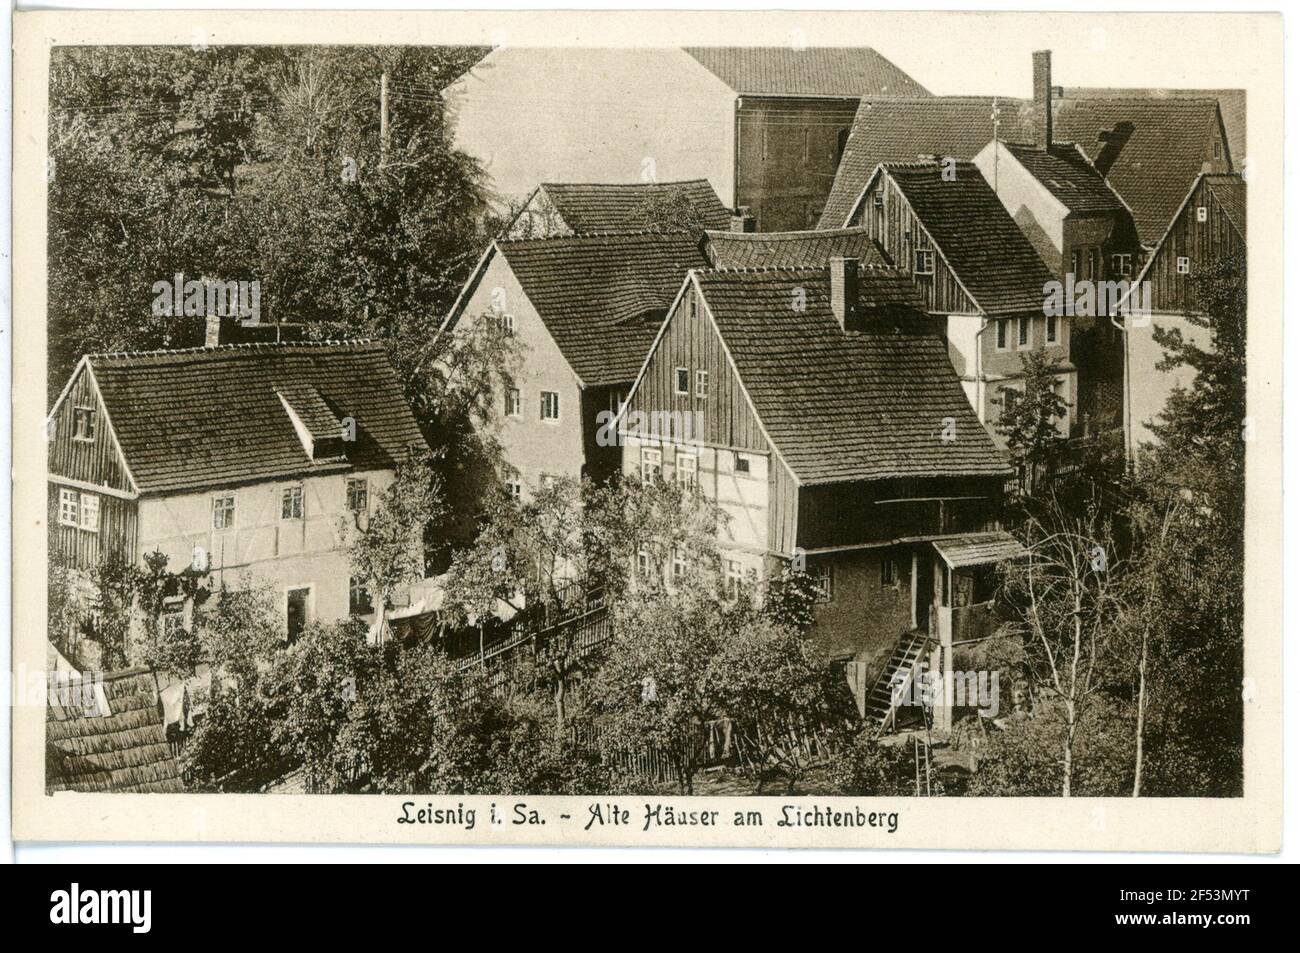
{"points": [[895, 679]]}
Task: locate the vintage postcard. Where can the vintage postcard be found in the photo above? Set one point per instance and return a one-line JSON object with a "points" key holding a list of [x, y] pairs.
{"points": [[756, 429]]}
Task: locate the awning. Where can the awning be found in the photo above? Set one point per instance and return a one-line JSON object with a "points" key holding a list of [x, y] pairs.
{"points": [[978, 549]]}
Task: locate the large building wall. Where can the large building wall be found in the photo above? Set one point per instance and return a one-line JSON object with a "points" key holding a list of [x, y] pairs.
{"points": [[533, 448], [1040, 216], [268, 550], [533, 115], [864, 616], [787, 152]]}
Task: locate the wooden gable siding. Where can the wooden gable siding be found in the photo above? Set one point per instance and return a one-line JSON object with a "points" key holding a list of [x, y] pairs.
{"points": [[114, 541], [88, 461], [782, 508], [895, 226], [723, 418], [1202, 242]]}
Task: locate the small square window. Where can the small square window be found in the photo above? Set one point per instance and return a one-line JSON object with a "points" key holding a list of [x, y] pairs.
{"points": [[223, 511], [651, 464], [1022, 332], [69, 508], [550, 405], [701, 384], [1202, 213], [1184, 265], [358, 497], [291, 503], [687, 468], [823, 579], [683, 385], [742, 464], [83, 423], [1121, 264], [924, 262], [514, 403]]}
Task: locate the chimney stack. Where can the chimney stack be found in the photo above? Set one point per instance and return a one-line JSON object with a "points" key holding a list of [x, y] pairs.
{"points": [[845, 302], [741, 220], [1043, 97]]}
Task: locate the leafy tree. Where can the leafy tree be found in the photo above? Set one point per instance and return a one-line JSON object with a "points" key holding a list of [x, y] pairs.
{"points": [[1030, 420], [790, 599], [668, 210], [863, 766]]}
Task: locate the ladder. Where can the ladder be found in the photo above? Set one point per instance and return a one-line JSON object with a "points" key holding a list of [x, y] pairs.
{"points": [[891, 687]]}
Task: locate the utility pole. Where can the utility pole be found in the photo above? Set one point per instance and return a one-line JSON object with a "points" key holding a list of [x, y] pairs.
{"points": [[383, 116]]}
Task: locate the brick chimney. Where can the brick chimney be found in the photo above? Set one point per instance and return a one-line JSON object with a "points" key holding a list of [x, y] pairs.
{"points": [[220, 329], [845, 302], [1043, 97], [228, 329], [741, 220]]}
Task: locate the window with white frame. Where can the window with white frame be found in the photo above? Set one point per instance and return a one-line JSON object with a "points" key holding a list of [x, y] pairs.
{"points": [[1121, 263], [924, 261], [358, 495], [682, 382], [1023, 336], [823, 579], [1202, 213], [83, 423], [550, 405], [701, 384], [291, 503], [1051, 329], [514, 403], [223, 511], [651, 464], [1002, 334], [643, 562], [90, 512], [1184, 265], [69, 507], [687, 468]]}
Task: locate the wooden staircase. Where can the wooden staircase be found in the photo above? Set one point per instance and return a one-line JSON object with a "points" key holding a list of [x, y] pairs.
{"points": [[891, 687]]}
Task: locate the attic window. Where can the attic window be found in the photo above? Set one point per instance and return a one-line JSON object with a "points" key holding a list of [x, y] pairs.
{"points": [[1184, 265], [878, 200], [83, 423], [1121, 264], [683, 380], [1218, 149], [507, 324], [1202, 213], [924, 264], [701, 384]]}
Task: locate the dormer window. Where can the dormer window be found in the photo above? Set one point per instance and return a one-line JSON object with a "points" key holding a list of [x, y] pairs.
{"points": [[83, 423], [1184, 265], [924, 262]]}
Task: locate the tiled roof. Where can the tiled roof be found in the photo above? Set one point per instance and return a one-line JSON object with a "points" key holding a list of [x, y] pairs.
{"points": [[980, 242], [1068, 175], [603, 297], [812, 71], [122, 749], [790, 249], [211, 416], [1232, 106], [590, 207], [1230, 190], [979, 549], [901, 130], [1151, 171], [846, 406], [1159, 160]]}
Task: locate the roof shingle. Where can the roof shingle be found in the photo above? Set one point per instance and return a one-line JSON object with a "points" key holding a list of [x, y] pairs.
{"points": [[846, 406], [812, 71], [211, 416], [1066, 173], [599, 207], [791, 249]]}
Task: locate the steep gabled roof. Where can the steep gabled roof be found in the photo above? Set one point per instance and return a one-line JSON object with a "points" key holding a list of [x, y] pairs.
{"points": [[812, 71], [205, 417], [791, 249], [588, 208], [1157, 145], [603, 297], [1157, 149], [973, 233], [1068, 175], [846, 406], [123, 749], [900, 130], [1232, 106]]}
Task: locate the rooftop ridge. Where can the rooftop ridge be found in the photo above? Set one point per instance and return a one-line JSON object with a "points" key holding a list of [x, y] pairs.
{"points": [[248, 345], [621, 185], [785, 236]]}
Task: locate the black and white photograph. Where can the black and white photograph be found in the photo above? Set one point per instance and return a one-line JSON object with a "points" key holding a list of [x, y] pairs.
{"points": [[479, 428]]}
